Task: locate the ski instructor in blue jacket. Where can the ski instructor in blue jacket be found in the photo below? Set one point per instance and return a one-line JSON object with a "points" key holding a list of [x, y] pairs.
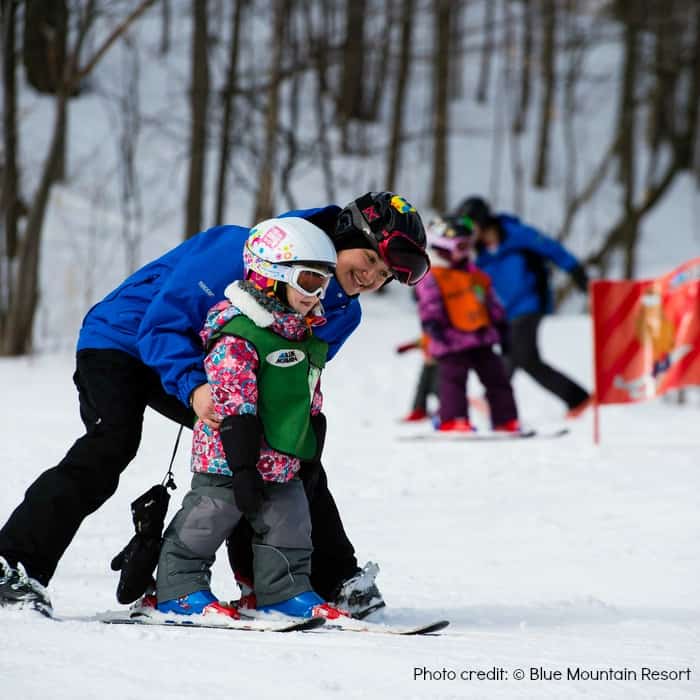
{"points": [[517, 258], [140, 347]]}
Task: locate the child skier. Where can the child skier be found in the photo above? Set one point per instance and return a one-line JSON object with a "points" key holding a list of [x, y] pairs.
{"points": [[263, 366], [464, 320], [427, 380]]}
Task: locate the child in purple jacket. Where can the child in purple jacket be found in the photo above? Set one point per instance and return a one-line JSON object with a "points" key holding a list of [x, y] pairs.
{"points": [[464, 320]]}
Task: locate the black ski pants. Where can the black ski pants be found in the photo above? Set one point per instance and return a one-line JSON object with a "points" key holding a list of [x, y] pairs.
{"points": [[524, 353], [114, 389]]}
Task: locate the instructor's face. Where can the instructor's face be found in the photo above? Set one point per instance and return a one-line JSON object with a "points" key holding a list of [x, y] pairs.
{"points": [[360, 270]]}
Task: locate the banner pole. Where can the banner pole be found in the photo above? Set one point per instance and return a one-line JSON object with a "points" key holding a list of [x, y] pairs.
{"points": [[596, 406]]}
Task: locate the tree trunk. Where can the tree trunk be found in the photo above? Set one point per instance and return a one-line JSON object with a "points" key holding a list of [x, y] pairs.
{"points": [[441, 72], [228, 100], [165, 26], [268, 158], [526, 61], [319, 41], [486, 52], [22, 288], [379, 65], [689, 139], [626, 129], [44, 45], [17, 339], [199, 96], [399, 99], [10, 174], [546, 107], [351, 99]]}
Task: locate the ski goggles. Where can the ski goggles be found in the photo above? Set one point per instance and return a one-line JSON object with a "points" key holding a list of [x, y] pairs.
{"points": [[406, 259], [309, 281]]}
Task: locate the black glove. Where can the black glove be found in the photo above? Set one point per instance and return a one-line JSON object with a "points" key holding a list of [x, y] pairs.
{"points": [[435, 330], [580, 277], [248, 490], [139, 558], [240, 438], [311, 468], [136, 561]]}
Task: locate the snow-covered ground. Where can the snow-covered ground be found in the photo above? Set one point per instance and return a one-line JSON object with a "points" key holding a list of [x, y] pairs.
{"points": [[557, 554]]}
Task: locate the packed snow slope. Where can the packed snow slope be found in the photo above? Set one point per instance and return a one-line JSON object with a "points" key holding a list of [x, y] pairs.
{"points": [[548, 556]]}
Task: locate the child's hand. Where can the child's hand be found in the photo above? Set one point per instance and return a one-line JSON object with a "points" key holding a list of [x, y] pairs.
{"points": [[203, 406]]}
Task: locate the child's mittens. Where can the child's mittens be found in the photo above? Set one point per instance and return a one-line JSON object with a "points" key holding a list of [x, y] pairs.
{"points": [[248, 490]]}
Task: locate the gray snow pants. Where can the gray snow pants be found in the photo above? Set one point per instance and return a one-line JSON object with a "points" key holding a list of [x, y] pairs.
{"points": [[281, 543]]}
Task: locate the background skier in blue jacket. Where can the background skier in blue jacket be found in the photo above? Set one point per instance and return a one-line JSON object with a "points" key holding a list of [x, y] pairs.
{"points": [[517, 258], [139, 347]]}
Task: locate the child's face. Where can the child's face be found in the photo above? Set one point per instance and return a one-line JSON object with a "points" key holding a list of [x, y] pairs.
{"points": [[301, 303]]}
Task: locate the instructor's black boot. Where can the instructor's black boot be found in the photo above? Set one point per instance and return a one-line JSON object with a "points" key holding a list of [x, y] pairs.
{"points": [[359, 595], [18, 590]]}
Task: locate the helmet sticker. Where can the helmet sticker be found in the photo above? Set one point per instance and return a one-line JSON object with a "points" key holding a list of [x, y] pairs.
{"points": [[370, 213], [401, 205]]}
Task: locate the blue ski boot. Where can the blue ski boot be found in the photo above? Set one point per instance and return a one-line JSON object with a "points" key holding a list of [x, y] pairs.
{"points": [[197, 603], [307, 604]]}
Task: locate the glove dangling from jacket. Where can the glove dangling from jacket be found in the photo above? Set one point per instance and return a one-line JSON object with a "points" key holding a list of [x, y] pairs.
{"points": [[139, 558]]}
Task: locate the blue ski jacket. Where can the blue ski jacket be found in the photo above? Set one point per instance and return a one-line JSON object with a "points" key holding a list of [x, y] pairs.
{"points": [[156, 313], [518, 267]]}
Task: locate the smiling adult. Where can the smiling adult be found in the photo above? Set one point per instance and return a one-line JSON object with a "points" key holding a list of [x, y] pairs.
{"points": [[140, 347]]}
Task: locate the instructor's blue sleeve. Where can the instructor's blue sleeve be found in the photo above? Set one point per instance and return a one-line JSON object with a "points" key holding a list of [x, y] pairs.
{"points": [[168, 337], [528, 238]]}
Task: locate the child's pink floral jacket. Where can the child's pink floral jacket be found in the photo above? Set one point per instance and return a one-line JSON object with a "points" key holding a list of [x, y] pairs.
{"points": [[230, 366]]}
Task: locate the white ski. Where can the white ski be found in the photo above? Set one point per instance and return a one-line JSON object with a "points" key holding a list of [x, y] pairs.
{"points": [[121, 617], [350, 625], [482, 436]]}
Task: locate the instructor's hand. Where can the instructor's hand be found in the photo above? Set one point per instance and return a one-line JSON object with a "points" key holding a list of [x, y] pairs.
{"points": [[203, 406]]}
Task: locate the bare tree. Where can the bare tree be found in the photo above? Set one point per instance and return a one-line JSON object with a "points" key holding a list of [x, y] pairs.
{"points": [[399, 97], [319, 40], [130, 123], [199, 99], [165, 27], [441, 72], [228, 100], [487, 48], [626, 129], [268, 158], [526, 61], [351, 96], [44, 43], [547, 102], [16, 319]]}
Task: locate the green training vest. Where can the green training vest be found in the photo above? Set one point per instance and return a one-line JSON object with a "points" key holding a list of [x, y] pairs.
{"points": [[288, 371]]}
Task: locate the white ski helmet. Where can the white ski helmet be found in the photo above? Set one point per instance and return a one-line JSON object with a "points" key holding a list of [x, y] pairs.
{"points": [[275, 245]]}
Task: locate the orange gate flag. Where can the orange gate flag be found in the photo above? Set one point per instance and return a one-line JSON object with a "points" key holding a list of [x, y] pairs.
{"points": [[646, 335]]}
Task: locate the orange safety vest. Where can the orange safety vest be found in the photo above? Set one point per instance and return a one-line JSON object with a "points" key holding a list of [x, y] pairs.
{"points": [[464, 295]]}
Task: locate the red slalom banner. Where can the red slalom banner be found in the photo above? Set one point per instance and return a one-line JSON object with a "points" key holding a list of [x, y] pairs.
{"points": [[646, 335]]}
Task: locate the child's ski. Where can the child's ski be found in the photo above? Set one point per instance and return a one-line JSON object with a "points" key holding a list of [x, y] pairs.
{"points": [[349, 625], [485, 436], [253, 625]]}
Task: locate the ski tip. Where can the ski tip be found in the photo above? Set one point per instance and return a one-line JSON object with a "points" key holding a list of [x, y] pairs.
{"points": [[428, 629], [303, 625]]}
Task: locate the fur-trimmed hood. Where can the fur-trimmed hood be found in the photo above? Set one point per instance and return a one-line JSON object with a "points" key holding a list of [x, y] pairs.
{"points": [[265, 311]]}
